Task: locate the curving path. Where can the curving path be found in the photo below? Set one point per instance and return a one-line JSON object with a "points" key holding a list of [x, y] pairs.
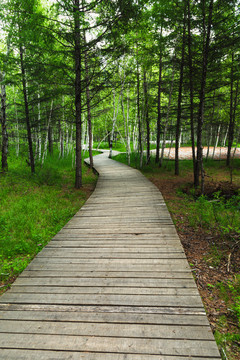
{"points": [[113, 284]]}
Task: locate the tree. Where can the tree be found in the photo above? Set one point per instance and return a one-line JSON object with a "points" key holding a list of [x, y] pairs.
{"points": [[4, 125], [179, 108]]}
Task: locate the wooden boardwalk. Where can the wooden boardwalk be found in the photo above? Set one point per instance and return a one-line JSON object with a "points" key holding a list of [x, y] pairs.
{"points": [[113, 284]]}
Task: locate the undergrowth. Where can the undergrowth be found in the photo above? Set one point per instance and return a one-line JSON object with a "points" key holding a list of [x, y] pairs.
{"points": [[33, 208], [227, 334]]}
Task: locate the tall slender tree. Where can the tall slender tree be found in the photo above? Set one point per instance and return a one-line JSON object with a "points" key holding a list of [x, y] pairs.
{"points": [[205, 53], [179, 108]]}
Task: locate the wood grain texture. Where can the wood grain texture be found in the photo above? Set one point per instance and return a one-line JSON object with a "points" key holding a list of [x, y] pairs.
{"points": [[113, 284]]}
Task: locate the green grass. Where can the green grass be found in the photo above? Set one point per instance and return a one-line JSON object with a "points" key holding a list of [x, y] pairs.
{"points": [[116, 146], [33, 208]]}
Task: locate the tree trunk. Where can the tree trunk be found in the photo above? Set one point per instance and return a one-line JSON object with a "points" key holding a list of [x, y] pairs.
{"points": [[39, 135], [127, 130], [209, 142], [146, 115], [191, 92], [47, 134], [78, 94], [231, 119], [4, 126], [125, 119], [135, 130], [140, 147], [115, 114], [217, 140], [199, 164], [167, 119], [159, 107], [179, 111], [61, 130], [50, 139], [89, 117], [225, 138], [237, 141], [17, 124], [27, 117]]}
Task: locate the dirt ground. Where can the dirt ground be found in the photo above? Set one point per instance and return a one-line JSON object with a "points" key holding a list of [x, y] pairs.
{"points": [[185, 153]]}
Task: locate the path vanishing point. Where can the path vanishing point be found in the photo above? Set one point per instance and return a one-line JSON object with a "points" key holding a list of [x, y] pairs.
{"points": [[113, 284]]}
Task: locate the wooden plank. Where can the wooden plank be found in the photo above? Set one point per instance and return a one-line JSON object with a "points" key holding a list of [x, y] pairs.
{"points": [[70, 244], [107, 267], [170, 229], [111, 345], [103, 290], [12, 354], [106, 318], [126, 310], [107, 274], [120, 236], [112, 253], [111, 261], [98, 329], [110, 299], [124, 282]]}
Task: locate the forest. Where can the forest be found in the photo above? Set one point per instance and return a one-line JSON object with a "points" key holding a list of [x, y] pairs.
{"points": [[147, 73], [145, 77]]}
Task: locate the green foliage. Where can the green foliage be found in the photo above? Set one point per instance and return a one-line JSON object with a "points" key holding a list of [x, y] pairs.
{"points": [[222, 214], [230, 292], [33, 208]]}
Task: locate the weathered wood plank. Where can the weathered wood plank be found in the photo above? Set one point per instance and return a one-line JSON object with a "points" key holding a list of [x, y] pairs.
{"points": [[124, 282], [119, 230], [108, 267], [106, 318], [44, 289], [12, 354], [107, 274], [105, 309], [97, 299], [110, 345], [109, 253], [98, 329], [111, 261]]}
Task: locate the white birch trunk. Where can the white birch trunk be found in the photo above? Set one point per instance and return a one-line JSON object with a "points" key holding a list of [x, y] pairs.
{"points": [[225, 138], [127, 132], [39, 140], [67, 139], [115, 114], [167, 119], [217, 140], [46, 139], [17, 123], [237, 141]]}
